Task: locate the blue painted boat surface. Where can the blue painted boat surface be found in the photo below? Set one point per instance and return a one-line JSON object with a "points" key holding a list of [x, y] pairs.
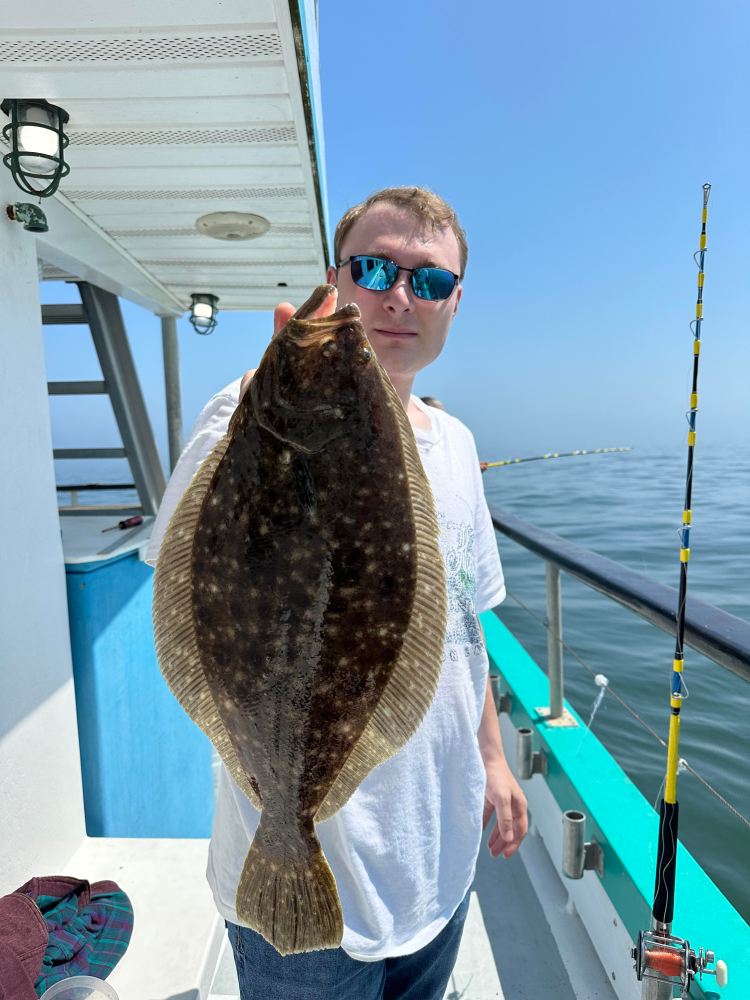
{"points": [[583, 775], [146, 767]]}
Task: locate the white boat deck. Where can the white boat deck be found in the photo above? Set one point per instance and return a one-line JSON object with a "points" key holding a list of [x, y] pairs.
{"points": [[523, 940]]}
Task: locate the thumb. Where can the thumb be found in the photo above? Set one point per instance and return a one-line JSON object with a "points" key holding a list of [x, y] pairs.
{"points": [[281, 316]]}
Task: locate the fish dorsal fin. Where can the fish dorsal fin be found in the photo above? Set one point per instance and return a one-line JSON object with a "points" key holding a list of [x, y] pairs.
{"points": [[412, 685], [174, 626]]}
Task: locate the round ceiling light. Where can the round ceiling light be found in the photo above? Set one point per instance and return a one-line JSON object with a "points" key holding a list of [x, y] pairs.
{"points": [[232, 225]]}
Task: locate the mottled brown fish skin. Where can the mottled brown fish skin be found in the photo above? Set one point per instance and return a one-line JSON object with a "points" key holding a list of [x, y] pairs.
{"points": [[304, 571]]}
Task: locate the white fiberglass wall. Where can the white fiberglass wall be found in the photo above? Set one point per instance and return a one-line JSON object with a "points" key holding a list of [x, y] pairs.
{"points": [[41, 804]]}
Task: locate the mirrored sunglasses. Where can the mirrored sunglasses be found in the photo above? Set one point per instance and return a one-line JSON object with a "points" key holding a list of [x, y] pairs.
{"points": [[378, 274]]}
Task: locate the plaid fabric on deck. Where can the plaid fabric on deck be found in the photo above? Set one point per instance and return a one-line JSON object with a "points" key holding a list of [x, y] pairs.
{"points": [[89, 927]]}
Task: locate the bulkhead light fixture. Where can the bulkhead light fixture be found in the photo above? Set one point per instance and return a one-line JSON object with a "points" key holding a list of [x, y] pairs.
{"points": [[37, 144], [203, 313]]}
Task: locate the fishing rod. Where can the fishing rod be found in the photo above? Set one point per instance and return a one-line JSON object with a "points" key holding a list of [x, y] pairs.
{"points": [[551, 454], [663, 961]]}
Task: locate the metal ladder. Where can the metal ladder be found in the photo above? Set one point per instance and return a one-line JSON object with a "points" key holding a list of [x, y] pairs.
{"points": [[100, 311]]}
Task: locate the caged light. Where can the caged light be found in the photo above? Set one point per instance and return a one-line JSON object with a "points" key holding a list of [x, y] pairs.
{"points": [[37, 143], [203, 313]]}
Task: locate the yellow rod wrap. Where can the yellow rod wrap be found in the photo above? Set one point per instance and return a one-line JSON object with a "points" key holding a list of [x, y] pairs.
{"points": [[670, 791], [705, 214], [696, 347], [687, 516], [693, 399], [684, 555], [700, 279], [678, 665], [698, 310], [675, 701], [703, 241], [691, 438]]}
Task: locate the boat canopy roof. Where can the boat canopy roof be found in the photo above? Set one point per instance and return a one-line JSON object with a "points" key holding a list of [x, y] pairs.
{"points": [[202, 108]]}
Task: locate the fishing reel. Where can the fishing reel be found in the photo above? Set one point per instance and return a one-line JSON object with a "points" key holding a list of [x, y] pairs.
{"points": [[664, 958]]}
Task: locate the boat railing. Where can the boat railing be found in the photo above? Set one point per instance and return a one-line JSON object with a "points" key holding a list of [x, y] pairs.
{"points": [[719, 635], [74, 507]]}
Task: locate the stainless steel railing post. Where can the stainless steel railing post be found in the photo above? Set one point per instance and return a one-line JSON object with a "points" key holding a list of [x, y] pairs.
{"points": [[170, 349], [554, 643]]}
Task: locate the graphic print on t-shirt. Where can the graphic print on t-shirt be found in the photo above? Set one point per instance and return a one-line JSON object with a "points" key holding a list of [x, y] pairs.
{"points": [[457, 548]]}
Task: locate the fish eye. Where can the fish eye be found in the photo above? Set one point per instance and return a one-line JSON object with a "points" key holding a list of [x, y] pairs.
{"points": [[365, 355], [330, 348]]}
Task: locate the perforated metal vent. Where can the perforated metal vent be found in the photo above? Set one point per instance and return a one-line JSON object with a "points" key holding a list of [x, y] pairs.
{"points": [[277, 229], [148, 233], [231, 286], [190, 194], [290, 229], [188, 137], [144, 48], [225, 265]]}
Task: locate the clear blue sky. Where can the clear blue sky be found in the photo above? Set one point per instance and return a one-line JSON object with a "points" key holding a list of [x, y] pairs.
{"points": [[573, 140]]}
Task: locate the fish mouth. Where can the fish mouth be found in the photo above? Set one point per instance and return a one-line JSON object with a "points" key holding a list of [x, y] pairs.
{"points": [[313, 332]]}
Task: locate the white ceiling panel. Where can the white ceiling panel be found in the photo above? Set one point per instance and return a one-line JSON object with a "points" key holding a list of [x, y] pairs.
{"points": [[279, 250], [204, 107], [93, 16], [160, 175], [269, 264], [198, 111], [162, 223], [183, 155]]}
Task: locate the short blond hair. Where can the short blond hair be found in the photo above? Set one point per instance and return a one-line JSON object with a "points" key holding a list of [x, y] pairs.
{"points": [[428, 207]]}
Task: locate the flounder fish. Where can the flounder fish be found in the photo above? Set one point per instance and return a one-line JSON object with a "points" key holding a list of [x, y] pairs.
{"points": [[300, 605]]}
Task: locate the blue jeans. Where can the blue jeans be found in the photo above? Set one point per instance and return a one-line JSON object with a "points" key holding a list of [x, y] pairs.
{"points": [[331, 974]]}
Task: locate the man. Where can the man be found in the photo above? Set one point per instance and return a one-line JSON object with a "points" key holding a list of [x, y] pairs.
{"points": [[403, 849]]}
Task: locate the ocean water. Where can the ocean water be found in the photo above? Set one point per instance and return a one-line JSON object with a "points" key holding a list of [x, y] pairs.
{"points": [[629, 507]]}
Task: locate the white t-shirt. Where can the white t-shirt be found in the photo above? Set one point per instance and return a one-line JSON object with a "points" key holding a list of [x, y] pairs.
{"points": [[403, 849]]}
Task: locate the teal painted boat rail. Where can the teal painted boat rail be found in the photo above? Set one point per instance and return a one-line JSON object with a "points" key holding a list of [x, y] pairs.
{"points": [[583, 775]]}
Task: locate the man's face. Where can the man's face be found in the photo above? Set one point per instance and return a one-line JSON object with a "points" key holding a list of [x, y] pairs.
{"points": [[406, 332]]}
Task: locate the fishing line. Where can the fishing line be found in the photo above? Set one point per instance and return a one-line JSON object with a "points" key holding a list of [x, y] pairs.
{"points": [[552, 454], [642, 722]]}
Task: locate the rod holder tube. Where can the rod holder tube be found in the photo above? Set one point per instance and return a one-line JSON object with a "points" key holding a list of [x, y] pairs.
{"points": [[554, 643], [503, 699], [579, 855], [656, 989], [528, 762], [574, 852]]}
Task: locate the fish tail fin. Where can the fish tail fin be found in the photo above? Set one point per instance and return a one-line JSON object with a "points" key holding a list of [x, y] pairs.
{"points": [[287, 891]]}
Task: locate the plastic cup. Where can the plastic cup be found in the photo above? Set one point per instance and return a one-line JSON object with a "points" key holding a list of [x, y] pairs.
{"points": [[80, 988]]}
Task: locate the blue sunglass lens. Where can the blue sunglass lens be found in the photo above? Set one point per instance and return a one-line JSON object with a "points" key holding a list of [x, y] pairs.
{"points": [[374, 273], [432, 283], [379, 274]]}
